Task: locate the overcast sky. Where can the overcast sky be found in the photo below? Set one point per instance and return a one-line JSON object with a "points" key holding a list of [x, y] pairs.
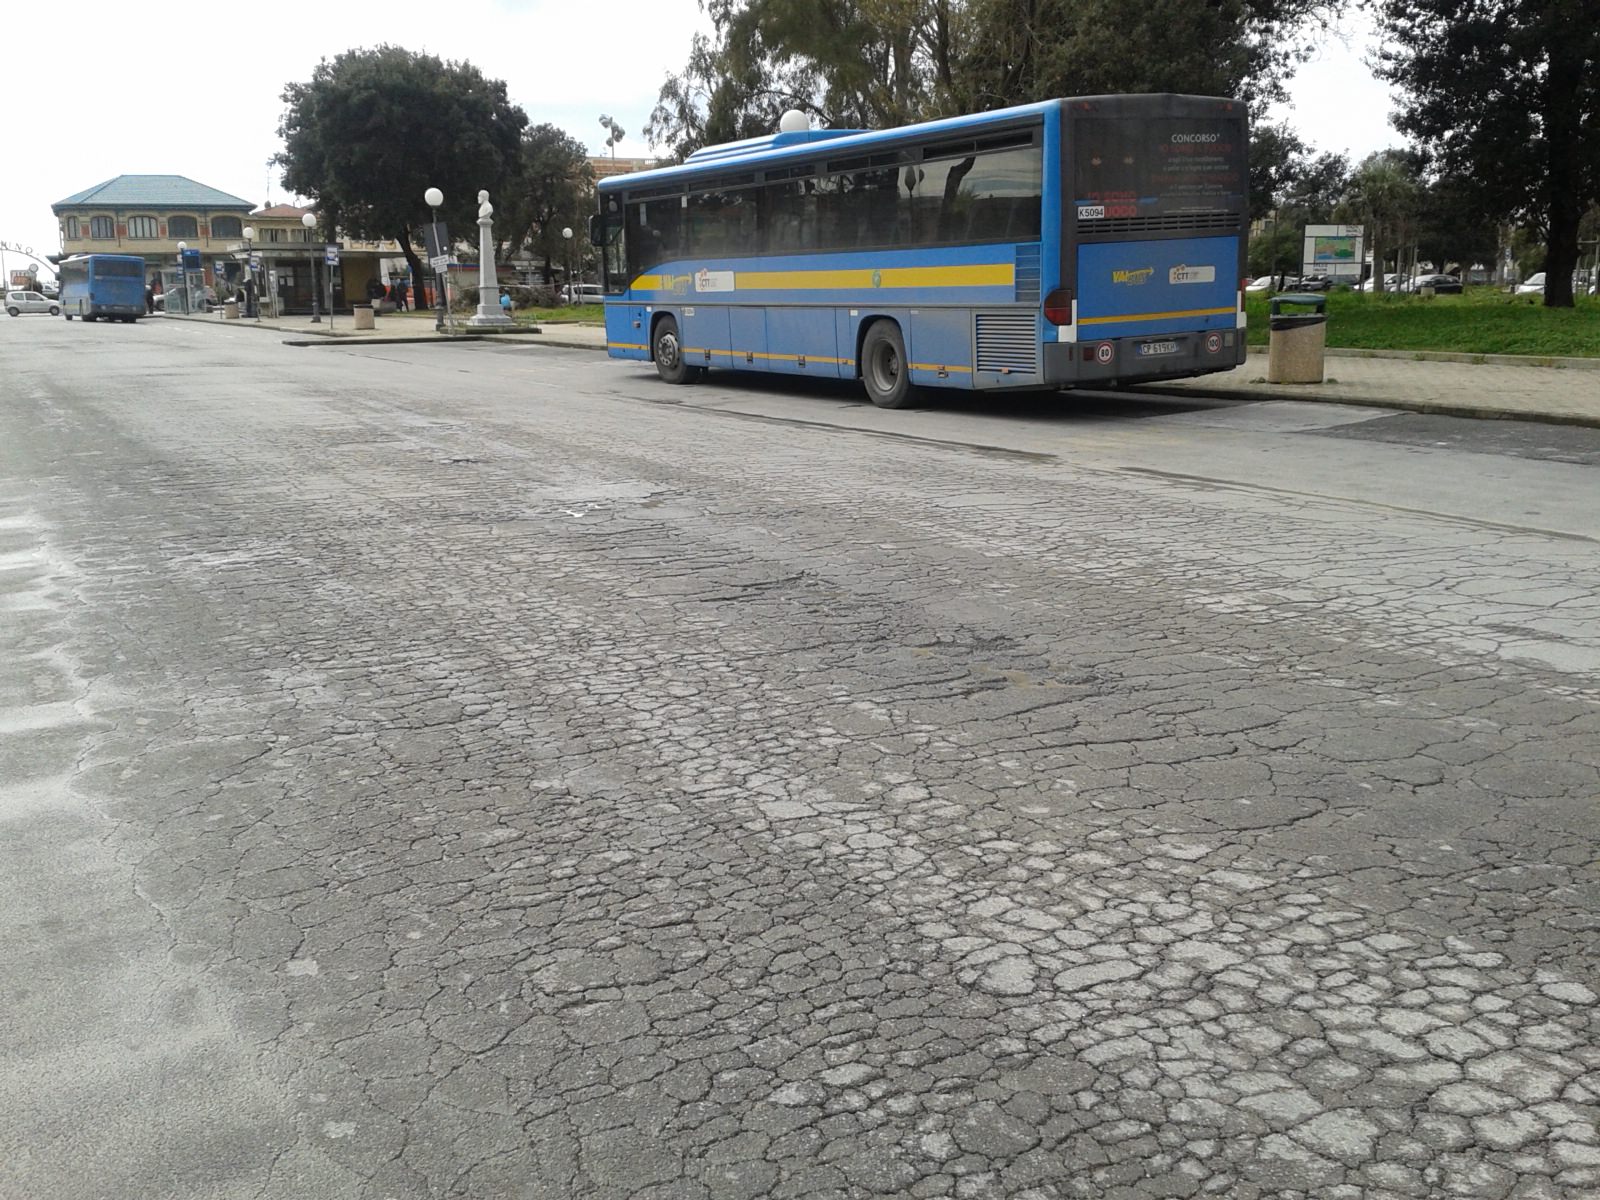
{"points": [[120, 90]]}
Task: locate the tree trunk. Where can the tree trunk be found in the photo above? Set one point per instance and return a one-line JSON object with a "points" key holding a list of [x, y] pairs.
{"points": [[416, 268]]}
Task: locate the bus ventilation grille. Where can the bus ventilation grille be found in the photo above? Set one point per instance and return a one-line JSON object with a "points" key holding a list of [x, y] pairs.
{"points": [[1027, 275], [1008, 343], [1120, 227]]}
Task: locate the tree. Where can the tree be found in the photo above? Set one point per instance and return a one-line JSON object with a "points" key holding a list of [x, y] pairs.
{"points": [[551, 191], [877, 63], [1506, 93], [1383, 196], [1289, 190], [1275, 151], [374, 129]]}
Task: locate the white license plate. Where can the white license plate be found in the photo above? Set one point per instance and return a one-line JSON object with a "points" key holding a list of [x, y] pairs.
{"points": [[1150, 349]]}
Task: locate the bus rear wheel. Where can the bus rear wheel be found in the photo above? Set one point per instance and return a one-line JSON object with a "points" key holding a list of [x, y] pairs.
{"points": [[883, 366], [667, 350]]}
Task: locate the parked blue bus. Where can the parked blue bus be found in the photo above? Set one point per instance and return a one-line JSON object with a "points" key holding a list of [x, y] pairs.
{"points": [[1077, 242], [102, 285]]}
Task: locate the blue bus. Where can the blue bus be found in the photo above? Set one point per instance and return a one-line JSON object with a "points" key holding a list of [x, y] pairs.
{"points": [[1079, 242], [102, 285]]}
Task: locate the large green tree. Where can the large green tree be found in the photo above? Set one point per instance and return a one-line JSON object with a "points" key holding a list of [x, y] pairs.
{"points": [[1505, 93], [374, 129], [877, 63]]}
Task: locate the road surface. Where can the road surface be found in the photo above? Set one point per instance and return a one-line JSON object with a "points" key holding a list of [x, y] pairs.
{"points": [[488, 771]]}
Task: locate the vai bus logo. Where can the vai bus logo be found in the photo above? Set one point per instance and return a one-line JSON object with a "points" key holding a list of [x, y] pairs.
{"points": [[1135, 277]]}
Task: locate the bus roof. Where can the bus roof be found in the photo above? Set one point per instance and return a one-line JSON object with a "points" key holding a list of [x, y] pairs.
{"points": [[797, 147], [72, 258], [790, 147]]}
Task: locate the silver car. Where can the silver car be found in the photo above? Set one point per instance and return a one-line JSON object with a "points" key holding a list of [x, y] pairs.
{"points": [[18, 303]]}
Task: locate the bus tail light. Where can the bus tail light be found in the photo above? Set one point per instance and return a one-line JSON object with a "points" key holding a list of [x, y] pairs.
{"points": [[1058, 307]]}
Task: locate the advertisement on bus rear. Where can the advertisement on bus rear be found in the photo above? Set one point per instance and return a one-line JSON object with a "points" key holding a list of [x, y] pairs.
{"points": [[1154, 167]]}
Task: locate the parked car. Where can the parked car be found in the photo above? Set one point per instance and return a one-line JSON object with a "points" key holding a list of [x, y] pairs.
{"points": [[583, 293], [211, 299], [1323, 283], [1533, 285], [1439, 283], [1391, 283], [1264, 284], [18, 303]]}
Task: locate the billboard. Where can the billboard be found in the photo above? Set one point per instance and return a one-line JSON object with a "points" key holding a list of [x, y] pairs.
{"points": [[1335, 250]]}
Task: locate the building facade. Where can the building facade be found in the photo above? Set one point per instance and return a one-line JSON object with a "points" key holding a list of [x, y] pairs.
{"points": [[148, 215]]}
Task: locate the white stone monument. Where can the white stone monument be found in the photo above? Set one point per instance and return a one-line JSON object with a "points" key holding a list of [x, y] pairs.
{"points": [[488, 313]]}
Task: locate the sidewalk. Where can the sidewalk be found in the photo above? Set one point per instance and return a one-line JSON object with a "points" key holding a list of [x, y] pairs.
{"points": [[1560, 391]]}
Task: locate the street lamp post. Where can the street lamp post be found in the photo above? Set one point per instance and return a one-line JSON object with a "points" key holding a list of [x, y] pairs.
{"points": [[309, 220], [183, 281], [572, 292], [251, 303], [433, 197]]}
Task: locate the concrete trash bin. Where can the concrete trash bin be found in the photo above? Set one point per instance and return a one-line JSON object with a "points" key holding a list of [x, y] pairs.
{"points": [[365, 318], [230, 310], [1296, 342]]}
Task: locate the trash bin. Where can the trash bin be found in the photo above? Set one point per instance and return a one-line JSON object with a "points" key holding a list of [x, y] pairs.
{"points": [[1296, 341], [364, 317], [230, 310]]}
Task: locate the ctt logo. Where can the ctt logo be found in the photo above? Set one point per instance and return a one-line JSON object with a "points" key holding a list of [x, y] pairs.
{"points": [[1133, 278]]}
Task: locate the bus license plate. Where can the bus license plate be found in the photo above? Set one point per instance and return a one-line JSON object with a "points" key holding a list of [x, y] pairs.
{"points": [[1151, 349]]}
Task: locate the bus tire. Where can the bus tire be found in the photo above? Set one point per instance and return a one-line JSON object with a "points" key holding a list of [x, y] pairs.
{"points": [[883, 366], [667, 350], [68, 316]]}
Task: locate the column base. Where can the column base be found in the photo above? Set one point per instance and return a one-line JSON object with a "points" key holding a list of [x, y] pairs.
{"points": [[495, 320]]}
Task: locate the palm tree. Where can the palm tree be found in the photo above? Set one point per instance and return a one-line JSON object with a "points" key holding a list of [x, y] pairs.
{"points": [[1383, 195]]}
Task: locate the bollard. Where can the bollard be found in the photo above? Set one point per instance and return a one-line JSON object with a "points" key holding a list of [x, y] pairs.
{"points": [[1296, 341], [364, 317], [230, 310]]}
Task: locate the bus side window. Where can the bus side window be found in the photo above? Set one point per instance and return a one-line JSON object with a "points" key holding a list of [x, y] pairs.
{"points": [[655, 233]]}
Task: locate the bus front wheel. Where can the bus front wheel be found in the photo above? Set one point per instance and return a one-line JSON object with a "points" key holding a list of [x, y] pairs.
{"points": [[667, 350], [883, 366]]}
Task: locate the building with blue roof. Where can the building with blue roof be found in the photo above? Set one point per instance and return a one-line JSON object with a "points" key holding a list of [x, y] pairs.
{"points": [[149, 215]]}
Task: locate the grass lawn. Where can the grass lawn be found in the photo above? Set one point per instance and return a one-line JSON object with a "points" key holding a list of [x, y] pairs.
{"points": [[1480, 321], [593, 314]]}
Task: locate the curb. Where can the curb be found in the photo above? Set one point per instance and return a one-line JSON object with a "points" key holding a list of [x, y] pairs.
{"points": [[1454, 356], [1432, 408]]}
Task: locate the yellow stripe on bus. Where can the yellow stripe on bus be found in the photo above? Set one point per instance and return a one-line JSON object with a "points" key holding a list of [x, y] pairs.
{"points": [[972, 275], [1158, 316]]}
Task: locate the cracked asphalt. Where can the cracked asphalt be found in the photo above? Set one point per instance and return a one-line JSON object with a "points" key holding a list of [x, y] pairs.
{"points": [[482, 771]]}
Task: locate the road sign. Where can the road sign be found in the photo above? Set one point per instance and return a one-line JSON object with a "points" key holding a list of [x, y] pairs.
{"points": [[439, 262], [437, 239], [332, 256]]}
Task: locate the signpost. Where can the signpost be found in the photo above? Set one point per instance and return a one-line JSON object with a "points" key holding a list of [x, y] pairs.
{"points": [[331, 257]]}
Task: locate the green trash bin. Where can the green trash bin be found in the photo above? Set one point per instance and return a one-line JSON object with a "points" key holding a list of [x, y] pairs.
{"points": [[1296, 341]]}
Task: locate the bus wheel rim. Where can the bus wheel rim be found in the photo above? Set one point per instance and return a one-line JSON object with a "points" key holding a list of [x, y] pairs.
{"points": [[886, 368], [667, 350]]}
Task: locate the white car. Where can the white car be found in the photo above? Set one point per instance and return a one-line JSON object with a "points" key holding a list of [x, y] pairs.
{"points": [[18, 303], [1391, 283], [1533, 285], [1264, 284], [583, 293]]}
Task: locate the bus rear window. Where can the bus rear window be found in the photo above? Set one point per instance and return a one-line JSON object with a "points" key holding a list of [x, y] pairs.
{"points": [[117, 268], [1144, 167]]}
